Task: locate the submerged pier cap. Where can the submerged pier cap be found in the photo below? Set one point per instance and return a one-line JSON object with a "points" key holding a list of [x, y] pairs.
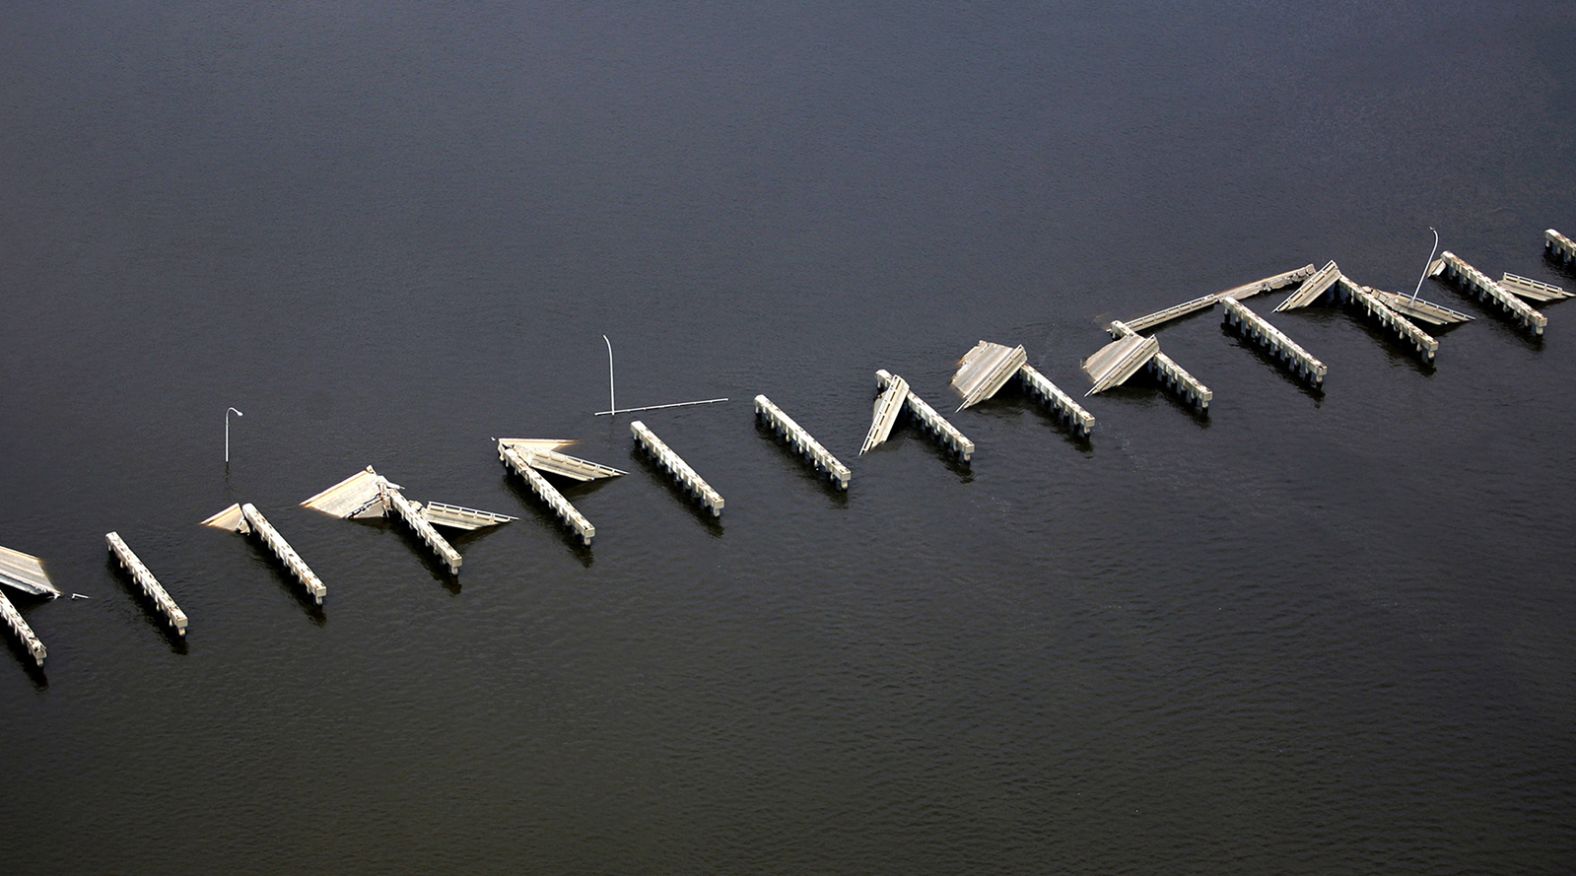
{"points": [[144, 579], [1063, 405], [247, 520], [677, 468], [802, 441], [932, 422], [1377, 310], [1283, 349], [525, 465], [13, 621], [1562, 248], [404, 509]]}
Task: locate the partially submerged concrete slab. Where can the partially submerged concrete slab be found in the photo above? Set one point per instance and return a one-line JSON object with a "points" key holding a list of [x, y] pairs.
{"points": [[1311, 289], [1205, 302], [368, 494], [1419, 309], [526, 466], [1112, 364], [891, 400], [549, 461], [883, 417], [985, 369], [1532, 290], [1119, 360], [25, 573]]}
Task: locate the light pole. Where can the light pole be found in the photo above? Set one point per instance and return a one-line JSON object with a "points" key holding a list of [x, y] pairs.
{"points": [[612, 401], [1426, 264], [227, 413]]}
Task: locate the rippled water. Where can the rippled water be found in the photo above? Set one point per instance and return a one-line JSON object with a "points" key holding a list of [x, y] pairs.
{"points": [[1310, 633]]}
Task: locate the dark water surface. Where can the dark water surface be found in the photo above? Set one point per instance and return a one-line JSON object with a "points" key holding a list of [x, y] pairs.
{"points": [[1324, 634]]}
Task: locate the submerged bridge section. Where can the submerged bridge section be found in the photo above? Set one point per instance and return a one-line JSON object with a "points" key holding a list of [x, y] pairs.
{"points": [[396, 503], [1205, 302], [1532, 290], [985, 369], [1312, 290], [150, 585], [1478, 285], [1561, 248], [1419, 309], [802, 442], [24, 633], [1119, 360], [459, 516], [563, 465], [522, 465], [1375, 308], [1061, 404], [1386, 309], [889, 403], [895, 390], [670, 462], [247, 520], [1283, 349], [367, 494], [25, 573]]}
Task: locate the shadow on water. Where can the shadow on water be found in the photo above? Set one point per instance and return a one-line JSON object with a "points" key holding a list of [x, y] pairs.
{"points": [[713, 524], [436, 567], [543, 517], [1396, 350], [287, 581], [1314, 392], [1559, 265], [803, 467], [1143, 386], [908, 429], [1012, 399], [150, 611], [1498, 319]]}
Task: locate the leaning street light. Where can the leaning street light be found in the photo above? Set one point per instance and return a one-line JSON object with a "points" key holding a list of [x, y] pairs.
{"points": [[612, 400], [227, 413], [1427, 263]]}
